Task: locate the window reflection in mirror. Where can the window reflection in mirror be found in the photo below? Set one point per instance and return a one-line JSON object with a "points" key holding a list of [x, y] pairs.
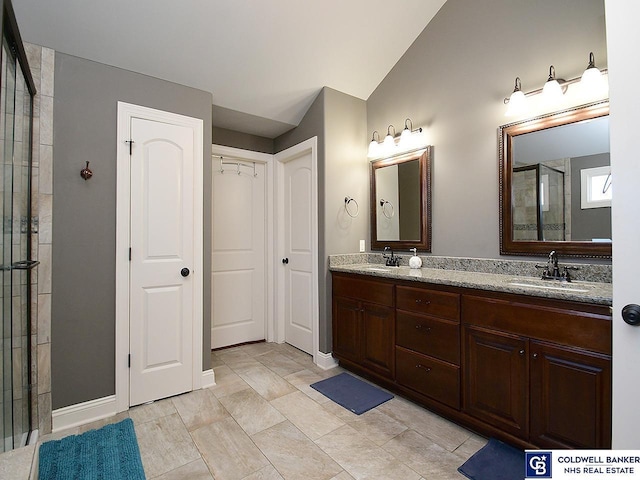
{"points": [[556, 185]]}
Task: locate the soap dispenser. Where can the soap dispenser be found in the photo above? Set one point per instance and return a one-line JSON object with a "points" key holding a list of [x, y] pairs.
{"points": [[415, 261]]}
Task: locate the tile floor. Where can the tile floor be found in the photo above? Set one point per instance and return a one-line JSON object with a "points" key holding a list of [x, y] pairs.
{"points": [[262, 421]]}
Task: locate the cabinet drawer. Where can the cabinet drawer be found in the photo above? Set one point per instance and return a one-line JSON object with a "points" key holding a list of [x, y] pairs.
{"points": [[581, 326], [372, 291], [429, 302], [428, 335], [431, 377]]}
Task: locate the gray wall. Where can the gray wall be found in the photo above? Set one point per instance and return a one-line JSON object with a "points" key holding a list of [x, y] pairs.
{"points": [[591, 222], [452, 81], [245, 141], [83, 271], [339, 122]]}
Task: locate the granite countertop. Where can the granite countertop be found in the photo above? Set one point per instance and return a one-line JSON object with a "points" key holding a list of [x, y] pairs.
{"points": [[579, 290]]}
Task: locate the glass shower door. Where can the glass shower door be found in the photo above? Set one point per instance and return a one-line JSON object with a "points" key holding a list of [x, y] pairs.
{"points": [[15, 299]]}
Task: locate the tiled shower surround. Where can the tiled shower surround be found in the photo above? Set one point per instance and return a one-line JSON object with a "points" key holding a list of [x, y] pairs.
{"points": [[41, 61]]}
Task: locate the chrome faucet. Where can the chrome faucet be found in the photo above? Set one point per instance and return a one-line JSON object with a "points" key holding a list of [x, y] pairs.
{"points": [[552, 265], [551, 271], [391, 260]]}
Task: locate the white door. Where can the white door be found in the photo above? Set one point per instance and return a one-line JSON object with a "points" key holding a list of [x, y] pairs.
{"points": [[298, 246], [162, 260], [239, 207], [623, 37]]}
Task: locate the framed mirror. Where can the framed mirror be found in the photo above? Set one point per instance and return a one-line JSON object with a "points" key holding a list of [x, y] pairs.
{"points": [[555, 184], [401, 201]]}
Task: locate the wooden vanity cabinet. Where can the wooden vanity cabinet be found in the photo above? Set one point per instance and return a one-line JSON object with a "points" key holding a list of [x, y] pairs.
{"points": [[539, 371], [428, 343], [534, 372], [363, 323]]}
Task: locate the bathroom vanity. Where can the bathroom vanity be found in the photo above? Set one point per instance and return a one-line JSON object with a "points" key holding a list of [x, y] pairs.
{"points": [[523, 360]]}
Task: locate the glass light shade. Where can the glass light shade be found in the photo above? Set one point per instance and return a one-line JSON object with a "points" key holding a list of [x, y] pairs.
{"points": [[374, 149], [405, 138], [517, 104], [592, 80], [388, 143], [552, 92]]}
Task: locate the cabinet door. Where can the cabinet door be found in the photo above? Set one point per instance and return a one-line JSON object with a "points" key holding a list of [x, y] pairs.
{"points": [[346, 328], [378, 339], [570, 398], [495, 379]]}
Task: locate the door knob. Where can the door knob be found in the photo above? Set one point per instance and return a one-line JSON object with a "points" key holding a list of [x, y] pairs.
{"points": [[285, 261], [631, 314], [184, 272]]}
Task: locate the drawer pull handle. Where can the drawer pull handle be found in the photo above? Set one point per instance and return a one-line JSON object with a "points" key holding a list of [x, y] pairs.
{"points": [[422, 328], [423, 302], [426, 369]]}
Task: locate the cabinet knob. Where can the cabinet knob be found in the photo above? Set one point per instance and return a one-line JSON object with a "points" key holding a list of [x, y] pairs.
{"points": [[521, 352], [535, 355]]}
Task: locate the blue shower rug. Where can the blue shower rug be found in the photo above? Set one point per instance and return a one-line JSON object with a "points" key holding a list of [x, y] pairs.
{"points": [[110, 452], [495, 461], [352, 393]]}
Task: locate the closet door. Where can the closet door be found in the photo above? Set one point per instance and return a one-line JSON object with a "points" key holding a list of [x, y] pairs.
{"points": [[239, 242]]}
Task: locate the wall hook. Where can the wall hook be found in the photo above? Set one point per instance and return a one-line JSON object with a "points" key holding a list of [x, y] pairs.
{"points": [[86, 172]]}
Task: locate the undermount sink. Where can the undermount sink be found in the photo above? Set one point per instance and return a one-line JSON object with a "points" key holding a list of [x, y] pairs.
{"points": [[379, 269], [547, 285]]}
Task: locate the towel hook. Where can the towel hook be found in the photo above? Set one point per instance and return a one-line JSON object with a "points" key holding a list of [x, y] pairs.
{"points": [[347, 201], [86, 172]]}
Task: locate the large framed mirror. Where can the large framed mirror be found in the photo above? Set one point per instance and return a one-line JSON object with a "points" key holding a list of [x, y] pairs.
{"points": [[401, 201], [555, 184]]}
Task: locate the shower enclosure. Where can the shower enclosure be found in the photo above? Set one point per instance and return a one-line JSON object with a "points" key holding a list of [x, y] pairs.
{"points": [[16, 122], [538, 203]]}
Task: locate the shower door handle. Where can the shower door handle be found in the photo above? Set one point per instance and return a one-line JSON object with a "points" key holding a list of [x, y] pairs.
{"points": [[24, 264]]}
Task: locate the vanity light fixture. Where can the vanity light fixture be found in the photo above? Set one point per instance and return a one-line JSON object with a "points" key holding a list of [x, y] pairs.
{"points": [[592, 77], [552, 91], [389, 141], [592, 85], [517, 102], [374, 146], [391, 145]]}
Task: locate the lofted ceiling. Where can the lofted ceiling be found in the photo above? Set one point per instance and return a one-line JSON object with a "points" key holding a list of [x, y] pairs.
{"points": [[264, 61]]}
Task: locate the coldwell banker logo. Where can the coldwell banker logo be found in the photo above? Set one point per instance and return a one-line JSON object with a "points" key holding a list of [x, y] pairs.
{"points": [[538, 464]]}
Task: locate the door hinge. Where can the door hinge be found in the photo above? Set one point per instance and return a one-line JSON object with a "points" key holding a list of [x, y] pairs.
{"points": [[129, 361], [129, 253], [130, 142]]}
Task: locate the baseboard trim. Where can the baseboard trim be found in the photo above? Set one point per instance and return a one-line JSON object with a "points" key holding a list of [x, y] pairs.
{"points": [[87, 412], [326, 361], [208, 378], [81, 413]]}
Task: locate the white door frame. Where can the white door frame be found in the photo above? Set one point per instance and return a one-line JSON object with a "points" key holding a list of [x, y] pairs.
{"points": [[622, 35], [126, 112], [308, 146], [267, 160]]}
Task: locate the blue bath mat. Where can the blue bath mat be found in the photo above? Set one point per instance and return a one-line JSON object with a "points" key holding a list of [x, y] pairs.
{"points": [[495, 461], [352, 393], [110, 452]]}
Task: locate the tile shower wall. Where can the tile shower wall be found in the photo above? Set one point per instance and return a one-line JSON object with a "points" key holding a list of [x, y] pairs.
{"points": [[41, 61]]}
